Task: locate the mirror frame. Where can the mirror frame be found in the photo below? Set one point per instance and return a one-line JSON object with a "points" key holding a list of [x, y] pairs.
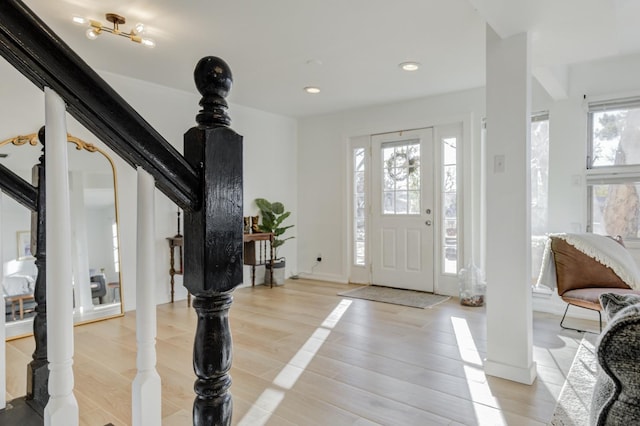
{"points": [[32, 140]]}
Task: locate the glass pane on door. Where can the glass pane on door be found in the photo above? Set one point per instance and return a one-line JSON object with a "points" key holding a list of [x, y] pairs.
{"points": [[401, 178]]}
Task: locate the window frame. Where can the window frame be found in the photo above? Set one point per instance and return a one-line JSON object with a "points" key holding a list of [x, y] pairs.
{"points": [[607, 174]]}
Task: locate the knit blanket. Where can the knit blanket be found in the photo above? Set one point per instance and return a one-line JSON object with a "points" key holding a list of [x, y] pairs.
{"points": [[599, 247]]}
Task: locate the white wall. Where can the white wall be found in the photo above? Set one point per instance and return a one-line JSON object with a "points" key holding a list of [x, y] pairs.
{"points": [[271, 172], [15, 218], [269, 167], [269, 155], [309, 175], [323, 141], [323, 149], [606, 79]]}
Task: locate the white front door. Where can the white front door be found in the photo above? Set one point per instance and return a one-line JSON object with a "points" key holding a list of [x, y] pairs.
{"points": [[402, 210]]}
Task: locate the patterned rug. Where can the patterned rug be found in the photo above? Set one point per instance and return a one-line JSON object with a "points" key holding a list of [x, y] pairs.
{"points": [[573, 404], [396, 296]]}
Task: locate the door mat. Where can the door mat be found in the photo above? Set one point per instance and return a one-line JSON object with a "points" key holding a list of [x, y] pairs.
{"points": [[574, 402], [396, 296]]}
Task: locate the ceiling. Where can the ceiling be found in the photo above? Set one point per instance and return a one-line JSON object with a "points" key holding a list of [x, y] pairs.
{"points": [[350, 49]]}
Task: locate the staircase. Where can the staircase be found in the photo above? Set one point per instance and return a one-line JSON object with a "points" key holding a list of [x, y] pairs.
{"points": [[206, 183]]}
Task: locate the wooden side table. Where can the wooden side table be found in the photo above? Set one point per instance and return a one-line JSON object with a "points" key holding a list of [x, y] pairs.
{"points": [[262, 255], [19, 299]]}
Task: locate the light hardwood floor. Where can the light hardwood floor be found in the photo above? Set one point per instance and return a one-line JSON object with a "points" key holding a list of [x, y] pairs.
{"points": [[305, 356]]}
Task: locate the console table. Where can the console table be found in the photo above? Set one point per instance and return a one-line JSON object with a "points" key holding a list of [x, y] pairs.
{"points": [[258, 250], [260, 255]]}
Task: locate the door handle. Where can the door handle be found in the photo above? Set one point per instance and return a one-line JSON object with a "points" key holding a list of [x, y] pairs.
{"points": [[428, 223]]}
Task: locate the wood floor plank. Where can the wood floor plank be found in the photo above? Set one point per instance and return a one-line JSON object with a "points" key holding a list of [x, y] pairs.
{"points": [[305, 356]]}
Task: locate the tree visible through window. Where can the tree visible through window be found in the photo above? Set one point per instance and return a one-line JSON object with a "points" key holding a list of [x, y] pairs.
{"points": [[449, 205], [359, 206], [614, 168]]}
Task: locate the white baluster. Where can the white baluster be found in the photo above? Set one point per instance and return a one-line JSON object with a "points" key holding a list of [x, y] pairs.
{"points": [[62, 409], [146, 388]]}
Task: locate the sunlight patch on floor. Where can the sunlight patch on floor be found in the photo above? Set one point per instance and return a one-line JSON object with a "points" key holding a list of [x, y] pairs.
{"points": [[483, 401], [271, 398]]}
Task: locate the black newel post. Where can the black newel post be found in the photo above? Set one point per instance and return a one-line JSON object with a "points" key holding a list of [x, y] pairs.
{"points": [[38, 369], [213, 241]]}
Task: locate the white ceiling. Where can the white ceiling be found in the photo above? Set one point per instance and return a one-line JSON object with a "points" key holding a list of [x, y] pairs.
{"points": [[349, 48]]}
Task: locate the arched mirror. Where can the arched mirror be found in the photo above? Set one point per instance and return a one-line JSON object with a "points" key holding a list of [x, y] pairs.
{"points": [[97, 281]]}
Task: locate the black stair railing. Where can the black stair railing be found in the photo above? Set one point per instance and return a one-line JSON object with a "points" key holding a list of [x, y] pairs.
{"points": [[33, 198], [206, 182], [39, 54], [17, 188]]}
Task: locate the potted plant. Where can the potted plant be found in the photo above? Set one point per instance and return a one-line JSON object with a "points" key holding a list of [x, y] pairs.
{"points": [[273, 214]]}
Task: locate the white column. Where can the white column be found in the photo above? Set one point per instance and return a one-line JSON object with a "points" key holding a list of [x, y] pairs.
{"points": [[62, 408], [3, 346], [508, 203], [146, 388]]}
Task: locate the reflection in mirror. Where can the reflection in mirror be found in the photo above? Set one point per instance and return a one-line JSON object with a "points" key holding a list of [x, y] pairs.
{"points": [[95, 239]]}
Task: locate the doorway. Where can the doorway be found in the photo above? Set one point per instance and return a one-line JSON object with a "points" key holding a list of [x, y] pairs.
{"points": [[403, 217]]}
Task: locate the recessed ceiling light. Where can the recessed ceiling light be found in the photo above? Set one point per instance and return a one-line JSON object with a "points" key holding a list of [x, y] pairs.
{"points": [[311, 89], [409, 66]]}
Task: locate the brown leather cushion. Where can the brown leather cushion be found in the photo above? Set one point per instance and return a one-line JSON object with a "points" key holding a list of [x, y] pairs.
{"points": [[576, 270], [590, 297]]}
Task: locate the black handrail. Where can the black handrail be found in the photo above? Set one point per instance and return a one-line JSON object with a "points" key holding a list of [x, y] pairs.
{"points": [[37, 52], [18, 189]]}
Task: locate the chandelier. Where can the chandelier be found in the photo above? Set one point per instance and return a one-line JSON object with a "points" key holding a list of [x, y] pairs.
{"points": [[96, 28]]}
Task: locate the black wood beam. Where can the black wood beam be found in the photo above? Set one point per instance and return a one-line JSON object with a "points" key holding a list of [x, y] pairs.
{"points": [[37, 52], [18, 189]]}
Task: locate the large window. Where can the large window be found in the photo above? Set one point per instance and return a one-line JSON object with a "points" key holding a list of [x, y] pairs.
{"points": [[613, 168], [539, 189], [539, 173]]}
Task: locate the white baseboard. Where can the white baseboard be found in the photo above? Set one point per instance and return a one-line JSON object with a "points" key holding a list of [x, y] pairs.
{"points": [[448, 289], [324, 277], [526, 375]]}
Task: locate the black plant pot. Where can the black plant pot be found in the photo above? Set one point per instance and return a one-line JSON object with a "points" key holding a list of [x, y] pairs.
{"points": [[278, 272]]}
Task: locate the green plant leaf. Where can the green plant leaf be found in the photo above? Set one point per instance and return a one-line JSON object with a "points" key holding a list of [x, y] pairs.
{"points": [[279, 220], [263, 205], [273, 214], [277, 207]]}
